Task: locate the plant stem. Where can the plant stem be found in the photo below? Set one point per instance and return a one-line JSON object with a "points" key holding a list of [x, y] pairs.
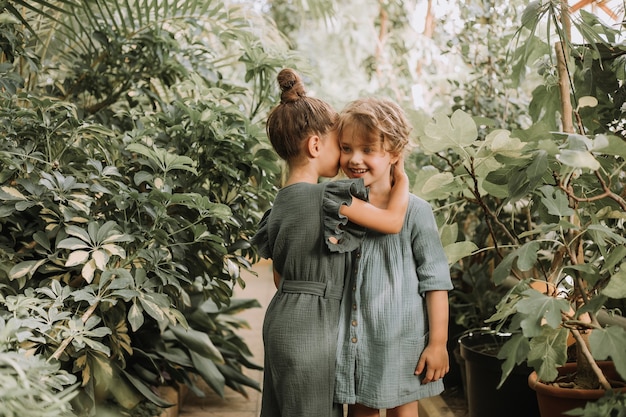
{"points": [[564, 88], [606, 194], [57, 353], [592, 362]]}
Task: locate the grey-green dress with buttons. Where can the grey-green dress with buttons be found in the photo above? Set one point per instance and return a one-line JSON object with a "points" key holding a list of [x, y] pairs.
{"points": [[384, 323], [309, 243]]}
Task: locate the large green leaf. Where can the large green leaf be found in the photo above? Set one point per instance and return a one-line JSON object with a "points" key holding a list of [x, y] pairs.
{"points": [[538, 166], [145, 390], [527, 255], [198, 342], [431, 184], [539, 308], [514, 352], [457, 132], [555, 201], [209, 372], [616, 288], [502, 271], [547, 352], [609, 145], [235, 378], [24, 268], [608, 343], [459, 250], [578, 159]]}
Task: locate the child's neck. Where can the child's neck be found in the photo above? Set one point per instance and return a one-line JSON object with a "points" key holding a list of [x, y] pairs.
{"points": [[301, 177], [302, 173], [379, 195]]}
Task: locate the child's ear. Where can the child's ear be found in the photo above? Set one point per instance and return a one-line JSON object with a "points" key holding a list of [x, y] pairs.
{"points": [[313, 146], [395, 158]]}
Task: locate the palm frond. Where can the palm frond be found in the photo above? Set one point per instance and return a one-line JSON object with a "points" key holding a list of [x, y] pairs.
{"points": [[76, 22], [46, 9], [110, 47]]}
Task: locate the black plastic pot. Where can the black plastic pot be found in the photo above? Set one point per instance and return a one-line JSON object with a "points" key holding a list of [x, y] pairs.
{"points": [[455, 378], [483, 371]]}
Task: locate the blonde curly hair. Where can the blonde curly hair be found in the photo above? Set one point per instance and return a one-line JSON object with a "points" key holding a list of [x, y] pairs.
{"points": [[377, 118]]}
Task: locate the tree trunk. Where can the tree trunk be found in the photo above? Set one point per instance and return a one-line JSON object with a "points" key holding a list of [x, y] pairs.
{"points": [[586, 378], [564, 88]]}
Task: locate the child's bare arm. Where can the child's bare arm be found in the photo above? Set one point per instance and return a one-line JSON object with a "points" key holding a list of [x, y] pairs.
{"points": [[389, 220], [435, 361]]}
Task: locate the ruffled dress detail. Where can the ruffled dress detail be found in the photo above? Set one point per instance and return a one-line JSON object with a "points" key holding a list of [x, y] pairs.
{"points": [[310, 245]]}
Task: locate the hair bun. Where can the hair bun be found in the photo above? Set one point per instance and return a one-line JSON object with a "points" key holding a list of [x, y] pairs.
{"points": [[291, 86]]}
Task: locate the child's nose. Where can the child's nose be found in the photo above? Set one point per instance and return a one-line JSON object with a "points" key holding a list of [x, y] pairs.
{"points": [[356, 157]]}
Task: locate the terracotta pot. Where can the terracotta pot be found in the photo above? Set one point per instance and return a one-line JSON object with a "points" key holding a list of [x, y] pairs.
{"points": [[554, 401], [170, 395]]}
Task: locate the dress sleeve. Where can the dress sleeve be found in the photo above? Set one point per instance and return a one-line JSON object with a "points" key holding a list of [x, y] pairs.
{"points": [[340, 234], [261, 237], [432, 270]]}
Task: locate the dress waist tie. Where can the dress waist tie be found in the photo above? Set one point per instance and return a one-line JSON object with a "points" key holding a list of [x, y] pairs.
{"points": [[321, 289]]}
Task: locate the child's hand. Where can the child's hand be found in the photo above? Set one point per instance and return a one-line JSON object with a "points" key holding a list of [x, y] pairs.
{"points": [[434, 363], [397, 172]]}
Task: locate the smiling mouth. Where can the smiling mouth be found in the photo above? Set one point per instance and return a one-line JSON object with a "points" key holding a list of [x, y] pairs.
{"points": [[358, 171]]}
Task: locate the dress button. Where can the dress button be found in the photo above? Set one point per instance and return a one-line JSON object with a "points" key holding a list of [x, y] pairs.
{"points": [[354, 288], [353, 306], [354, 339], [354, 323]]}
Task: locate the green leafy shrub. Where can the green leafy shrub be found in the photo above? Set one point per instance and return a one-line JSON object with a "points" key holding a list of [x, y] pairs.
{"points": [[552, 197], [132, 174], [30, 385], [34, 387]]}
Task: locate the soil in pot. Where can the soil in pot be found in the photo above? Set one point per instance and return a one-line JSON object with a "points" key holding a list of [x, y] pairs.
{"points": [[483, 372], [557, 398]]}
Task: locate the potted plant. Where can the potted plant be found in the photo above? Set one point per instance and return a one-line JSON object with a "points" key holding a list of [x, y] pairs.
{"points": [[553, 196]]}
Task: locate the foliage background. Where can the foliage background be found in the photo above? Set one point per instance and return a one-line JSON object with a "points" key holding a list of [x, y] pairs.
{"points": [[134, 166]]}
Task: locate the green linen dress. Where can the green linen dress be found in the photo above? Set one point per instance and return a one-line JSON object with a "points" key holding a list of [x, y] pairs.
{"points": [[309, 243], [384, 322]]}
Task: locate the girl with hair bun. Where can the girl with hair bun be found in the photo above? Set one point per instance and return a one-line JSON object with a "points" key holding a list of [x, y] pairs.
{"points": [[310, 233]]}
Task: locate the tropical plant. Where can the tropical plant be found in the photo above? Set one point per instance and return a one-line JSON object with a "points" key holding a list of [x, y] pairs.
{"points": [[30, 384], [133, 173], [552, 197]]}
